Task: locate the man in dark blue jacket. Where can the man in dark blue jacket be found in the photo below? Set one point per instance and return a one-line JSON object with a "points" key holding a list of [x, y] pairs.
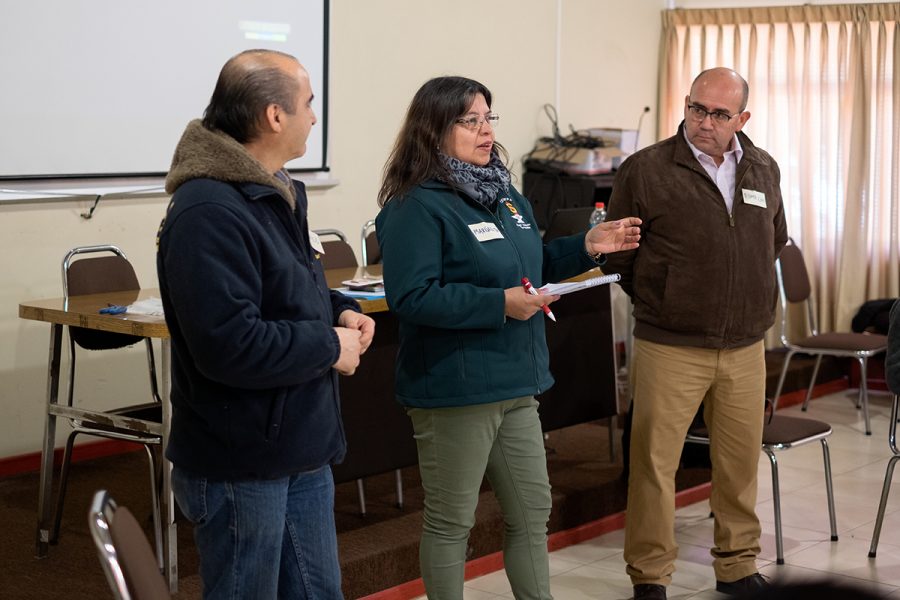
{"points": [[258, 341]]}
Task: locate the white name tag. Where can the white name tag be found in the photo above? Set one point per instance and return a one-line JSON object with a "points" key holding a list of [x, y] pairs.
{"points": [[485, 231], [315, 242], [755, 198]]}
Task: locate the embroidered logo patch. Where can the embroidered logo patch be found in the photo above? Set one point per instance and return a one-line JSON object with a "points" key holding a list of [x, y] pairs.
{"points": [[521, 223]]}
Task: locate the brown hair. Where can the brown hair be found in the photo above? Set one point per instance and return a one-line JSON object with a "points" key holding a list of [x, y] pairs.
{"points": [[429, 119]]}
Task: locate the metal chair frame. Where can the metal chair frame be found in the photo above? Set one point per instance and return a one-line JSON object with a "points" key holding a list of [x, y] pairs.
{"points": [[341, 254], [888, 475], [102, 520], [869, 348], [117, 426], [701, 436], [368, 229]]}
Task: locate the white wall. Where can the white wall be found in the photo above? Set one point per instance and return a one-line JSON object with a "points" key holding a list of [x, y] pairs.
{"points": [[381, 52]]}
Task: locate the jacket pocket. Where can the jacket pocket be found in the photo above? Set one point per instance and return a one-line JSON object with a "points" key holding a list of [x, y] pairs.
{"points": [[276, 416], [688, 304]]}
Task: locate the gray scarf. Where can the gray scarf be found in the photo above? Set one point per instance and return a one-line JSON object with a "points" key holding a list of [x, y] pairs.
{"points": [[484, 184]]}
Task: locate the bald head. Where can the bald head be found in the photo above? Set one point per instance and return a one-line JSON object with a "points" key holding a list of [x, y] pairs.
{"points": [[248, 83], [726, 80]]}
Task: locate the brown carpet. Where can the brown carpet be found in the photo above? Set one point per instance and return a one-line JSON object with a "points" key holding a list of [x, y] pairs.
{"points": [[378, 551]]}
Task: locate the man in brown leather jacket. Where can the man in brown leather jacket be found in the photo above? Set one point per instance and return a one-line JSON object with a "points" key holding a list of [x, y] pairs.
{"points": [[704, 292]]}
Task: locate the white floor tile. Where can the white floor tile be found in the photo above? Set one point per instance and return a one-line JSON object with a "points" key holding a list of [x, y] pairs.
{"points": [[849, 557], [595, 568], [792, 574]]}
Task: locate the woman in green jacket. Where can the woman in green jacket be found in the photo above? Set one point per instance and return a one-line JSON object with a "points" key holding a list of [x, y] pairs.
{"points": [[456, 241]]}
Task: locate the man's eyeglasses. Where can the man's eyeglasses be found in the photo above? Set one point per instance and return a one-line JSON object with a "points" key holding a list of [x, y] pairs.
{"points": [[475, 122], [719, 117]]}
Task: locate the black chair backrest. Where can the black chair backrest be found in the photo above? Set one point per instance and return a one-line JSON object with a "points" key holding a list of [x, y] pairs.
{"points": [[101, 274], [97, 275], [373, 249], [794, 274], [338, 254], [145, 582]]}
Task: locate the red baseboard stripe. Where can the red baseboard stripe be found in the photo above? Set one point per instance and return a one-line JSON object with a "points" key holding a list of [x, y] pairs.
{"points": [[29, 463], [823, 389], [560, 539]]}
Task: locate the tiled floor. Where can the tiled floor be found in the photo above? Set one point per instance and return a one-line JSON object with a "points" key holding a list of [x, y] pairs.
{"points": [[595, 569]]}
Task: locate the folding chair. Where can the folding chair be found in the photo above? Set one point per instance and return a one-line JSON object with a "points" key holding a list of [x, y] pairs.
{"points": [[888, 476], [338, 253], [794, 287], [782, 433], [125, 555], [95, 275], [371, 251]]}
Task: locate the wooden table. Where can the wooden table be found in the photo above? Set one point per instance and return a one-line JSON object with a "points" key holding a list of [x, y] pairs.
{"points": [[82, 311], [379, 435]]}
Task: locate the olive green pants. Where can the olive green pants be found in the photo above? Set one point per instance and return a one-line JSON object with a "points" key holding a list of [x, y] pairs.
{"points": [[457, 447], [670, 382]]}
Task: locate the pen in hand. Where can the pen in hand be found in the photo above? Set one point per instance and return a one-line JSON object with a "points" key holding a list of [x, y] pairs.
{"points": [[530, 289]]}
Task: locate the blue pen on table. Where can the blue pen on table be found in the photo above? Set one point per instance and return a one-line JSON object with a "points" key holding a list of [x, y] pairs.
{"points": [[113, 309], [530, 289]]}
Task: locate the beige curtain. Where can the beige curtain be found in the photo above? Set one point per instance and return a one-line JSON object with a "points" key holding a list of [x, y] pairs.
{"points": [[825, 102]]}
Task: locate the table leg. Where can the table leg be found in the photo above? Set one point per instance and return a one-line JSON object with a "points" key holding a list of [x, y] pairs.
{"points": [[167, 500], [46, 483]]}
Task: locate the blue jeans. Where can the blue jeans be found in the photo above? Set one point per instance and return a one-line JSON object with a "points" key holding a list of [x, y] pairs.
{"points": [[263, 539]]}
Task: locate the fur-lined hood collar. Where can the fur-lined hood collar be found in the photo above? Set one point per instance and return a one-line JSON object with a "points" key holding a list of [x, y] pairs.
{"points": [[212, 154]]}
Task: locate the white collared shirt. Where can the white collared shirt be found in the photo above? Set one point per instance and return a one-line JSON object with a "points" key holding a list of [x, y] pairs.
{"points": [[723, 175]]}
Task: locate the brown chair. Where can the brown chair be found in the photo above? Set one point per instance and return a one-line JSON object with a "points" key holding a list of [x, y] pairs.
{"points": [[782, 433], [371, 250], [125, 554], [338, 253], [138, 423], [888, 475], [794, 287]]}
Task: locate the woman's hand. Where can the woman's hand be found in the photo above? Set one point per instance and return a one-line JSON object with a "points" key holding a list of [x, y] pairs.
{"points": [[521, 305], [613, 236]]}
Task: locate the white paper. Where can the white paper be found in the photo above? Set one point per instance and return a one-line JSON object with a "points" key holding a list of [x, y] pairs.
{"points": [[360, 294], [558, 289], [149, 306], [363, 282]]}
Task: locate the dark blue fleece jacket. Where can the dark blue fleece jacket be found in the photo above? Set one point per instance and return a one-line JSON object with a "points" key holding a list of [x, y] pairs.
{"points": [[250, 316]]}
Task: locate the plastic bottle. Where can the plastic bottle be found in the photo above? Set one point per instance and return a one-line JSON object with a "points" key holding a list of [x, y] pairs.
{"points": [[599, 214]]}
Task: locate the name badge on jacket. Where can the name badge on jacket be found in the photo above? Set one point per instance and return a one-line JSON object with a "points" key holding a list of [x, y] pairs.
{"points": [[485, 231], [315, 242], [755, 198]]}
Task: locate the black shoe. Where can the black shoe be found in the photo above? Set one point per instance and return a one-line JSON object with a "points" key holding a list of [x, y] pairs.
{"points": [[649, 591], [744, 586]]}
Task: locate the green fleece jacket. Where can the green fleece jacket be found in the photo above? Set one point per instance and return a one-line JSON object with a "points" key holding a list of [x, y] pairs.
{"points": [[447, 261]]}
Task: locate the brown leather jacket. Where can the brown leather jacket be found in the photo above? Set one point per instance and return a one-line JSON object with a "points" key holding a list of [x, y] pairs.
{"points": [[701, 277]]}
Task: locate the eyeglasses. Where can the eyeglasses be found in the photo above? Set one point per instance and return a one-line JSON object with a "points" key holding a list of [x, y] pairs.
{"points": [[476, 122], [699, 113]]}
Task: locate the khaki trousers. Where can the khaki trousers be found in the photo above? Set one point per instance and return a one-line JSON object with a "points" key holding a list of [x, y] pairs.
{"points": [[670, 382]]}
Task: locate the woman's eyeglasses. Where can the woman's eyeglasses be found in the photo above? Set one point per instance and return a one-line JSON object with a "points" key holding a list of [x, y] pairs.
{"points": [[476, 122]]}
